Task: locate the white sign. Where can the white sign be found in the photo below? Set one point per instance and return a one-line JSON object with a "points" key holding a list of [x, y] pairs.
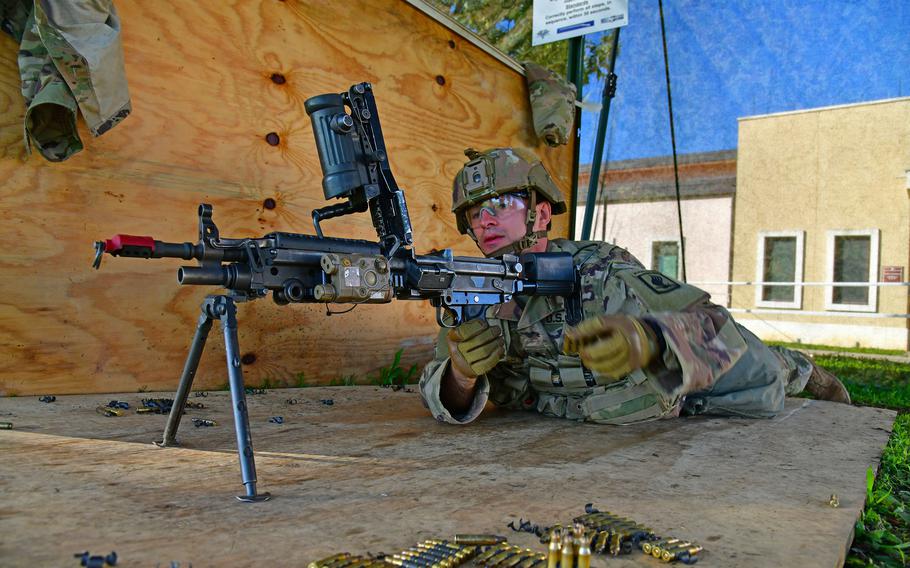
{"points": [[561, 19]]}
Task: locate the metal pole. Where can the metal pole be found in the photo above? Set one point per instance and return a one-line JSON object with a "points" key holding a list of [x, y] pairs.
{"points": [[575, 73], [608, 94], [682, 242]]}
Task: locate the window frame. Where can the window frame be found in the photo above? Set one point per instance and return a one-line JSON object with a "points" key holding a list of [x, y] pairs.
{"points": [[651, 243], [874, 236], [797, 302]]}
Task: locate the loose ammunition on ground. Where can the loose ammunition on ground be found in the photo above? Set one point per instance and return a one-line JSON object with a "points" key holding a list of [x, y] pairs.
{"points": [[601, 542], [412, 561], [328, 560], [478, 539], [584, 553], [490, 552], [439, 550], [567, 554], [658, 549], [536, 561], [615, 544], [108, 411], [514, 560], [496, 559], [553, 550], [671, 554], [425, 554]]}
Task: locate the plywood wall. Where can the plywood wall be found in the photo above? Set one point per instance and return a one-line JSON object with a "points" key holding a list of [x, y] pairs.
{"points": [[203, 102]]}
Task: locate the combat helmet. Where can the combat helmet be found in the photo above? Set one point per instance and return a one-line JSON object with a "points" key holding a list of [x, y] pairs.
{"points": [[499, 171]]}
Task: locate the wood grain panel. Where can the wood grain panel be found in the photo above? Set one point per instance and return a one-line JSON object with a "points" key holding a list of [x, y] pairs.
{"points": [[203, 102]]}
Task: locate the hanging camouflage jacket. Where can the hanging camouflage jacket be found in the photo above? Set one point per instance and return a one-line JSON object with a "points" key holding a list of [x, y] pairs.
{"points": [[722, 367], [552, 101], [70, 57]]}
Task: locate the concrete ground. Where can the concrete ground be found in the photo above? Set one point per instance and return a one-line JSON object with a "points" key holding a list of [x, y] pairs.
{"points": [[374, 472]]}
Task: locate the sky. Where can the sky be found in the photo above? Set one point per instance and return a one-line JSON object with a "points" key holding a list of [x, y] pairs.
{"points": [[730, 59]]}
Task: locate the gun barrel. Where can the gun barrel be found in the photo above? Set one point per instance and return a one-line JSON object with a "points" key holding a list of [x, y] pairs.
{"points": [[236, 276]]}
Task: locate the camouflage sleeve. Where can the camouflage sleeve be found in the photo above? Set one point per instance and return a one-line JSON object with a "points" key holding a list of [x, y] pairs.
{"points": [[699, 340], [697, 346], [431, 380]]}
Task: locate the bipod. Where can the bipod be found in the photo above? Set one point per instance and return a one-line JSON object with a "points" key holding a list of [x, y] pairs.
{"points": [[222, 308]]}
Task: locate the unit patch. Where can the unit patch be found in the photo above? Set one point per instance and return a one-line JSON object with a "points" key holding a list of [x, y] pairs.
{"points": [[656, 281]]}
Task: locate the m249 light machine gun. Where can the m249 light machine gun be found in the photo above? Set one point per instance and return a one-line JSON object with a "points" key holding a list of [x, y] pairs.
{"points": [[298, 268]]}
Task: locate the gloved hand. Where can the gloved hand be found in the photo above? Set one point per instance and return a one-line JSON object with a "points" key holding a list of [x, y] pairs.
{"points": [[475, 347], [613, 346]]}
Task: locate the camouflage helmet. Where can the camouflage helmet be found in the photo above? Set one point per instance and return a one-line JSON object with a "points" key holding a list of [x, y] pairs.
{"points": [[498, 171]]}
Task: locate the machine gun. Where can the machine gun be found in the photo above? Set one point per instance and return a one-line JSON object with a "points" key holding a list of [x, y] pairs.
{"points": [[299, 268]]}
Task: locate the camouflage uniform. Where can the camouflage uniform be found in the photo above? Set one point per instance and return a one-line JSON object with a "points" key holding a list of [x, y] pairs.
{"points": [[552, 104], [707, 362], [69, 57]]}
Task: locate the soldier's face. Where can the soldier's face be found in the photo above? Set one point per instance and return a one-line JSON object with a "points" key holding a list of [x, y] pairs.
{"points": [[501, 221]]}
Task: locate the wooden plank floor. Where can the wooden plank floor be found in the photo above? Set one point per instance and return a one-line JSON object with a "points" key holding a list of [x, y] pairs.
{"points": [[373, 472]]}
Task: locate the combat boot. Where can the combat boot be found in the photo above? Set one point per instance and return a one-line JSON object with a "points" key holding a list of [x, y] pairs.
{"points": [[825, 386]]}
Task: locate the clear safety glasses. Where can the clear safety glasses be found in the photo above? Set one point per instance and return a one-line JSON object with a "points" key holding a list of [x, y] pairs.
{"points": [[500, 206]]}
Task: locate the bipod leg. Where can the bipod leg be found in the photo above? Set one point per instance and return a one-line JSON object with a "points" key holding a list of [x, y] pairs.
{"points": [[203, 327], [225, 309]]}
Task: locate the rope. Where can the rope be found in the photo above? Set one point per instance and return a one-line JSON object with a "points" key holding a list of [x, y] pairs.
{"points": [[682, 243]]}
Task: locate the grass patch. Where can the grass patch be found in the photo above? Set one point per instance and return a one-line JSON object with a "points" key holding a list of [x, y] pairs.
{"points": [[882, 533], [395, 373], [866, 350], [872, 382]]}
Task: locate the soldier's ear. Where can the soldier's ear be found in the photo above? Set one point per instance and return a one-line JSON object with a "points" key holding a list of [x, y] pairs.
{"points": [[544, 214]]}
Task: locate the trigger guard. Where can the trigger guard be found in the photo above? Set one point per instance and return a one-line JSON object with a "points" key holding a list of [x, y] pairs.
{"points": [[453, 314]]}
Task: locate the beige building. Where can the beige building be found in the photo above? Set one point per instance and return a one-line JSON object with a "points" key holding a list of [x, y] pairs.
{"points": [[821, 199], [641, 214]]}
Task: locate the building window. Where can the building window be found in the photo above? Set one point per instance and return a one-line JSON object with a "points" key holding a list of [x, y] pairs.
{"points": [[852, 257], [780, 259], [665, 258]]}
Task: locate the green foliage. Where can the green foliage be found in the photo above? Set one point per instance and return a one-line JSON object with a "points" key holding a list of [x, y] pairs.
{"points": [[300, 380], [882, 533], [395, 374], [508, 26], [871, 382]]}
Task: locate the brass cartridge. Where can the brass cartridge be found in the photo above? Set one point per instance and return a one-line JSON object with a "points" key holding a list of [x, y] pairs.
{"points": [[553, 550], [671, 554], [423, 554], [496, 559], [482, 558], [567, 553], [584, 553], [514, 560], [528, 561], [657, 549]]}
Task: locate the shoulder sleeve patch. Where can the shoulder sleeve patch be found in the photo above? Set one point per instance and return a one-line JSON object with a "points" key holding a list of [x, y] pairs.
{"points": [[657, 282]]}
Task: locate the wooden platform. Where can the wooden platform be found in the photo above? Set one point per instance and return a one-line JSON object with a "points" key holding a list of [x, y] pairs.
{"points": [[374, 472]]}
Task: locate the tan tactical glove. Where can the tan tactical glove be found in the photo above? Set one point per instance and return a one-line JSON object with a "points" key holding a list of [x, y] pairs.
{"points": [[613, 346], [475, 347]]}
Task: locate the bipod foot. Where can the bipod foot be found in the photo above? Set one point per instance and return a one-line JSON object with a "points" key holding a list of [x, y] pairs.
{"points": [[166, 443], [253, 497]]}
